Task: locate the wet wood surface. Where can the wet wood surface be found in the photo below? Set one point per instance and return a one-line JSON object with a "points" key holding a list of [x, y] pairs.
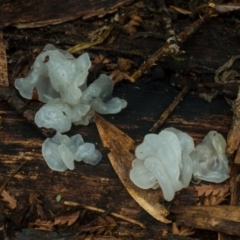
{"points": [[25, 14], [147, 99], [99, 186]]}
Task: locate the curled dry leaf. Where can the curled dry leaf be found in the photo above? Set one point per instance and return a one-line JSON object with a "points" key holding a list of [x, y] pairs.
{"points": [[12, 203], [182, 230], [134, 22]]}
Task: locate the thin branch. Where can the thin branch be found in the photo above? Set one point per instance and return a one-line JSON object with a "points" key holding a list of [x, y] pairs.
{"points": [[11, 175], [170, 109], [100, 210], [170, 48]]}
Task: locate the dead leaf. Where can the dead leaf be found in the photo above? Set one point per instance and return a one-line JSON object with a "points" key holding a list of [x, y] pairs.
{"points": [[33, 199], [40, 224], [68, 219], [100, 226], [182, 230], [125, 64], [134, 22], [212, 200], [180, 10], [121, 147], [118, 76], [96, 34], [12, 203], [100, 59], [212, 189]]}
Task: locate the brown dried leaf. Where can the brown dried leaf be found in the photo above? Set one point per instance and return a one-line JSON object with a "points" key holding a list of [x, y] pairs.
{"points": [[69, 219], [125, 64], [102, 221], [96, 34], [118, 76], [101, 226], [215, 199], [211, 189], [134, 22], [100, 59], [120, 147], [41, 224], [182, 230], [33, 199], [12, 203]]}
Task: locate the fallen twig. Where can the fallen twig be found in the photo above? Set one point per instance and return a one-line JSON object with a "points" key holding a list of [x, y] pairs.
{"points": [[170, 48], [100, 210], [11, 175], [170, 109]]}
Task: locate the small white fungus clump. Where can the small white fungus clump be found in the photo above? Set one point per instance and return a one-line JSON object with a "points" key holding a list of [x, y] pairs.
{"points": [[209, 159], [163, 160], [60, 81], [168, 160], [60, 152]]}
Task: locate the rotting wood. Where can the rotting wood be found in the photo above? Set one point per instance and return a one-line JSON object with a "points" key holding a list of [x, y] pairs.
{"points": [[29, 14], [3, 63], [121, 146], [233, 138], [221, 218]]}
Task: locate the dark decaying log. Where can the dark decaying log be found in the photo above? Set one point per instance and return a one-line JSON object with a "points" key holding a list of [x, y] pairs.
{"points": [[225, 219], [29, 14]]}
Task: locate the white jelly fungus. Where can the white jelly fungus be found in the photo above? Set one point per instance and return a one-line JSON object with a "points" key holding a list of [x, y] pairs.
{"points": [[209, 159], [60, 152], [60, 81], [168, 160]]}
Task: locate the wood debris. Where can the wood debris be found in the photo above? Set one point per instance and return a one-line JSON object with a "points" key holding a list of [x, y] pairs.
{"points": [[12, 203], [3, 62], [131, 26], [212, 189], [233, 139], [68, 220], [219, 218], [182, 230], [102, 225]]}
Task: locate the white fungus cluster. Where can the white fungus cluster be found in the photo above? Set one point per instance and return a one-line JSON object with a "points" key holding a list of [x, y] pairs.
{"points": [[60, 152], [169, 159], [209, 159], [60, 81]]}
